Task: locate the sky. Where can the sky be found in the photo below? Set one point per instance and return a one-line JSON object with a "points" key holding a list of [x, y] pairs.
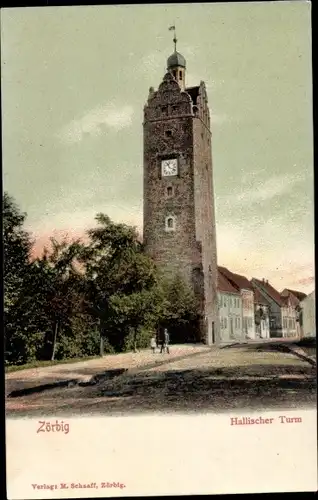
{"points": [[74, 83]]}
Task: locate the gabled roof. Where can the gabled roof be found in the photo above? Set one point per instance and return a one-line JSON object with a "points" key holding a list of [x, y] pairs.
{"points": [[271, 291], [237, 280], [259, 298], [224, 285], [294, 301], [299, 295]]}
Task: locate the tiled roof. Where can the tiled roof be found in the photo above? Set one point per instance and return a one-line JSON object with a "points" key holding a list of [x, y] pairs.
{"points": [[259, 298], [294, 302], [237, 280], [271, 291], [224, 285], [299, 295]]}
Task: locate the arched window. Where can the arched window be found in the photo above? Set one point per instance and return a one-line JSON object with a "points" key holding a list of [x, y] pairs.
{"points": [[169, 191], [180, 75], [170, 223]]}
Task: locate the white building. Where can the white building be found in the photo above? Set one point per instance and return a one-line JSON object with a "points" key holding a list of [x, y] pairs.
{"points": [[230, 311], [262, 308], [244, 287], [308, 316]]}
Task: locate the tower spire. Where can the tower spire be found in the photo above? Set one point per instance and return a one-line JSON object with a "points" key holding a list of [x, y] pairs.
{"points": [[173, 28]]}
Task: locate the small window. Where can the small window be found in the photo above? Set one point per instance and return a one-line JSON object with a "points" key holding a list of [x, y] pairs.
{"points": [[180, 75], [169, 191], [170, 223], [174, 74], [168, 133], [224, 301], [174, 108], [164, 109], [225, 322]]}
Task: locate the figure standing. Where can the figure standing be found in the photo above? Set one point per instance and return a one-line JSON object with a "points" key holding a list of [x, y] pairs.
{"points": [[165, 342]]}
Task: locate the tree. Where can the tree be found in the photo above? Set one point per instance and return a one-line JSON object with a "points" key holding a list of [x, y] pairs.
{"points": [[121, 284], [58, 288], [180, 311], [16, 249]]}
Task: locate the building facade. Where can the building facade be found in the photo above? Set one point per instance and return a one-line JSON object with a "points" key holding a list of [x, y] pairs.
{"points": [[275, 302], [283, 310], [179, 218], [308, 316], [294, 299], [290, 324], [261, 313], [245, 288], [230, 311]]}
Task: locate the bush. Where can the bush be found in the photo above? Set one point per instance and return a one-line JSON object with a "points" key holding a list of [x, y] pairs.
{"points": [[23, 347], [143, 337]]}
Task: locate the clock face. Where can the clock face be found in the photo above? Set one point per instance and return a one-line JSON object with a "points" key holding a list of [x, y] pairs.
{"points": [[169, 167]]}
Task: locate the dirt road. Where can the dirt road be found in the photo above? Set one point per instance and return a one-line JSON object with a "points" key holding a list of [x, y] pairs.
{"points": [[207, 380]]}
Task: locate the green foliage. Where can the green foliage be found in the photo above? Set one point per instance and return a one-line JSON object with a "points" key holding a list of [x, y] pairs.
{"points": [[121, 287], [16, 249], [139, 339], [23, 346], [62, 304], [180, 308]]}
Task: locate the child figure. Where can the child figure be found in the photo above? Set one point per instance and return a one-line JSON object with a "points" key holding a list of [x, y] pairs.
{"points": [[153, 343]]}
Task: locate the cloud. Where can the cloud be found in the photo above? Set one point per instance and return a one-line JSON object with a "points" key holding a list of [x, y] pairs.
{"points": [[306, 281], [260, 191], [92, 123]]}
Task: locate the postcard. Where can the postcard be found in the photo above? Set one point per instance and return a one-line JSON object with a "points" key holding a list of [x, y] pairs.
{"points": [[158, 228]]}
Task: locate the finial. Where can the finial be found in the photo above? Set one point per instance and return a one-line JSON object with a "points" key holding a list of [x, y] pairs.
{"points": [[173, 28]]}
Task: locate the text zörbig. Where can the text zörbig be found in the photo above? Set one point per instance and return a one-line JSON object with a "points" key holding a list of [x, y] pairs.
{"points": [[53, 427]]}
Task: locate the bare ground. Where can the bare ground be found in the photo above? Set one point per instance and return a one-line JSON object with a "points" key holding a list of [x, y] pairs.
{"points": [[216, 380]]}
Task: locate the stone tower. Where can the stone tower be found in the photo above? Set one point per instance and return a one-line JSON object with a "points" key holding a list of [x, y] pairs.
{"points": [[179, 219]]}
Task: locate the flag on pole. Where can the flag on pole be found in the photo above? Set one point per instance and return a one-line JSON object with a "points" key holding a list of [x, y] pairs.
{"points": [[172, 28]]}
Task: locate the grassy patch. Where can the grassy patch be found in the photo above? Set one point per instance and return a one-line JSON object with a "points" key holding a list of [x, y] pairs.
{"points": [[39, 364]]}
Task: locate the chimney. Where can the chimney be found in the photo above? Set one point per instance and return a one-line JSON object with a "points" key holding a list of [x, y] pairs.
{"points": [[266, 282], [263, 280]]}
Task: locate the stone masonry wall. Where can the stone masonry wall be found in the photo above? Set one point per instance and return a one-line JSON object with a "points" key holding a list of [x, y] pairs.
{"points": [[205, 210], [168, 133], [171, 130]]}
